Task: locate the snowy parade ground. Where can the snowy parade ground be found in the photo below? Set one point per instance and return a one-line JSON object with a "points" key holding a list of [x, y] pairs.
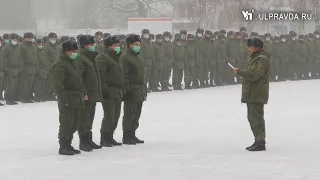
{"points": [[190, 135]]}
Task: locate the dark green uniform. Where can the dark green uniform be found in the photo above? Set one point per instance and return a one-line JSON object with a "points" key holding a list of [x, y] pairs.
{"points": [[310, 57], [267, 47], [200, 62], [317, 58], [11, 56], [221, 77], [100, 49], [28, 54], [191, 64], [301, 65], [240, 58], [123, 46], [214, 56], [3, 69], [92, 88], [232, 54], [66, 80], [293, 58], [111, 73], [168, 61], [179, 59], [275, 64], [135, 89], [51, 52], [205, 61], [255, 91], [147, 55], [158, 66], [284, 46], [41, 75]]}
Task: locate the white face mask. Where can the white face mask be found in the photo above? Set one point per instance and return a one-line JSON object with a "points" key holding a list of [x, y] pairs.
{"points": [[294, 38], [283, 40], [317, 36], [199, 35], [268, 39], [167, 38], [146, 36], [14, 42], [153, 40]]}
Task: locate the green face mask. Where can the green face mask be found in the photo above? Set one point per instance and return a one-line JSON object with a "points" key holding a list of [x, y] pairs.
{"points": [[6, 41], [40, 47], [179, 44], [53, 42], [74, 56], [117, 49], [136, 49], [92, 48]]}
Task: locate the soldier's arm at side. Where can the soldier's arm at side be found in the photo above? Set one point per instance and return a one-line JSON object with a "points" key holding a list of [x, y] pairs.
{"points": [[125, 74], [256, 71], [83, 70], [58, 76], [102, 67]]}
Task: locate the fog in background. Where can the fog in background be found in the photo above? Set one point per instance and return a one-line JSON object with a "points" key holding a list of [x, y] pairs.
{"points": [[50, 15]]}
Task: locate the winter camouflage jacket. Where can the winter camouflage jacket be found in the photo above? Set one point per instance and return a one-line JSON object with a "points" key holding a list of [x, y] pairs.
{"points": [[255, 85]]}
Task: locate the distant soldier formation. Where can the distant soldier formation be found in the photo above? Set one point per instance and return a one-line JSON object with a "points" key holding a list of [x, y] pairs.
{"points": [[80, 71]]}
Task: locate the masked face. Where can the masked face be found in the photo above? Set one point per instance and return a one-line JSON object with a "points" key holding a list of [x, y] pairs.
{"points": [[6, 41], [159, 40], [92, 47], [276, 41], [294, 38], [183, 36], [135, 47], [317, 36], [199, 35], [146, 36], [167, 38], [14, 42], [53, 40], [283, 40], [153, 40], [267, 39]]}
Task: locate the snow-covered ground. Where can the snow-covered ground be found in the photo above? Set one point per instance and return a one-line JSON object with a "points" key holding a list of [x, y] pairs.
{"points": [[190, 135]]}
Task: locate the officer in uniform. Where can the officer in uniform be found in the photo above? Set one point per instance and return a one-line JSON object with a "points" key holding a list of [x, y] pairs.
{"points": [[168, 48], [255, 90]]}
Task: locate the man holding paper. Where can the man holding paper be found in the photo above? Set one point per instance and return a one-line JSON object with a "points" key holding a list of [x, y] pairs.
{"points": [[255, 90]]}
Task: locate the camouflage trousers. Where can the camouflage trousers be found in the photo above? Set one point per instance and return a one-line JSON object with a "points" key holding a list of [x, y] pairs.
{"points": [[177, 77], [131, 115], [1, 83], [86, 117], [39, 88], [12, 84], [256, 121], [68, 119], [27, 86], [111, 110]]}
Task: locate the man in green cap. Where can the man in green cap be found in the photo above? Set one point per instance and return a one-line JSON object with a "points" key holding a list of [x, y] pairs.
{"points": [[255, 90], [135, 89], [111, 73], [66, 80]]}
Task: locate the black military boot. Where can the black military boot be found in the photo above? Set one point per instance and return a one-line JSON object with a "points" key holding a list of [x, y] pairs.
{"points": [[114, 142], [188, 86], [127, 138], [251, 145], [1, 97], [105, 139], [155, 90], [169, 85], [64, 148], [84, 143], [27, 101], [75, 151], [165, 89], [11, 103], [137, 140], [1, 104], [258, 146], [91, 143]]}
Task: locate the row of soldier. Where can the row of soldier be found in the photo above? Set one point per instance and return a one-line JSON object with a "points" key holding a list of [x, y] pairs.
{"points": [[197, 59]]}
